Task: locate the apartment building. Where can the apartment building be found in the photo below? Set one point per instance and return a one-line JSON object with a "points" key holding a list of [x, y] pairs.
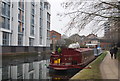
{"points": [[24, 23], [106, 29]]}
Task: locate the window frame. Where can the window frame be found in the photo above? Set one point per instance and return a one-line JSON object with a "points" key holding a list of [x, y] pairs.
{"points": [[5, 38], [20, 40]]}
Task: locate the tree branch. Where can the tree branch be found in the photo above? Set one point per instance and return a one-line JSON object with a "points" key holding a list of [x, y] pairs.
{"points": [[114, 5]]}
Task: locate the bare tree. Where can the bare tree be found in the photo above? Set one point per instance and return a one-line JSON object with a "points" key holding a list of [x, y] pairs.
{"points": [[64, 42], [82, 12]]}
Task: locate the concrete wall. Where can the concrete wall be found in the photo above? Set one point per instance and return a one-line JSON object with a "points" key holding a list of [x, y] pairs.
{"points": [[23, 49]]}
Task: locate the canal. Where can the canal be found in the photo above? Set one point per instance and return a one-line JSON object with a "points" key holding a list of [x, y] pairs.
{"points": [[31, 67]]}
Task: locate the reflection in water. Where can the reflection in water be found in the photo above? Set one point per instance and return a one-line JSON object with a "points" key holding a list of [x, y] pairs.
{"points": [[0, 74], [58, 75], [33, 70]]}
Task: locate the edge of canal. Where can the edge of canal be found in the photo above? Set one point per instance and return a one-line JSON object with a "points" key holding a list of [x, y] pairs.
{"points": [[93, 72]]}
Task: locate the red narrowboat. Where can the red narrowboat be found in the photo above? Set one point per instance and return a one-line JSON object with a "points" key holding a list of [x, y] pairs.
{"points": [[71, 58]]}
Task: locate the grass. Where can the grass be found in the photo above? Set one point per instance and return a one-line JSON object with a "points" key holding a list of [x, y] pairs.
{"points": [[118, 56], [94, 72]]}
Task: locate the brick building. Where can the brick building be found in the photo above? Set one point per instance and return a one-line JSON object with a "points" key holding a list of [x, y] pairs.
{"points": [[54, 36]]}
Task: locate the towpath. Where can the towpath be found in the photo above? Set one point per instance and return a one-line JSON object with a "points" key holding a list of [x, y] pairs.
{"points": [[109, 68]]}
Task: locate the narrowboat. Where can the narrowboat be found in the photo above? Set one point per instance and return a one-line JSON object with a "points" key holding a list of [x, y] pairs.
{"points": [[71, 58]]}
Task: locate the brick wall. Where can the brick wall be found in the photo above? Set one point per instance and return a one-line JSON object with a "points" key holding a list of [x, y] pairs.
{"points": [[54, 36]]}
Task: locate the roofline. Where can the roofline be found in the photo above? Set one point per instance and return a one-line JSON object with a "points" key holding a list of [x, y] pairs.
{"points": [[55, 31]]}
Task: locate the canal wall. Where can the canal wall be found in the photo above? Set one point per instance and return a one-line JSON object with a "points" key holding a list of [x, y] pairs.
{"points": [[22, 49], [16, 58]]}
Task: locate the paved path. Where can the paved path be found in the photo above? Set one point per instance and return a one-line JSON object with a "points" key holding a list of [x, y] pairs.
{"points": [[109, 68]]}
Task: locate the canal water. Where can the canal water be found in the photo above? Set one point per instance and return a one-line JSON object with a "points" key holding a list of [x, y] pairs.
{"points": [[32, 68]]}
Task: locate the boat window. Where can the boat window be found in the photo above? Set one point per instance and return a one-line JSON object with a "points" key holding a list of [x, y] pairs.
{"points": [[74, 62]]}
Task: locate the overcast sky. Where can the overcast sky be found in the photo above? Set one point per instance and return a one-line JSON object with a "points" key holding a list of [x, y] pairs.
{"points": [[58, 24]]}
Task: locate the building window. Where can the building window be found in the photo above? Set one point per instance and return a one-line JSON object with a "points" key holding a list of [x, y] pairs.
{"points": [[20, 39], [5, 23], [48, 16], [48, 35], [21, 4], [20, 15], [41, 17], [8, 10], [32, 30], [20, 27], [5, 38], [8, 23], [48, 25], [41, 13], [19, 12], [32, 2], [40, 31], [41, 21], [3, 8], [41, 4], [32, 19], [31, 41], [46, 5], [33, 11], [32, 8]]}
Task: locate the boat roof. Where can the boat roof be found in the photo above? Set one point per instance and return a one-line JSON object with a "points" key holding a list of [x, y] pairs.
{"points": [[83, 49]]}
